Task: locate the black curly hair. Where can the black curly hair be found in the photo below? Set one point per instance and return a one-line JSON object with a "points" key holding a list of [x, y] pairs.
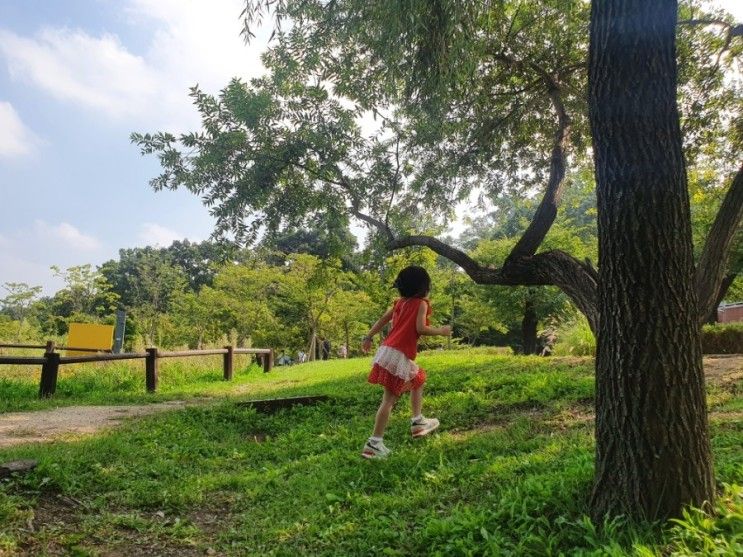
{"points": [[413, 282]]}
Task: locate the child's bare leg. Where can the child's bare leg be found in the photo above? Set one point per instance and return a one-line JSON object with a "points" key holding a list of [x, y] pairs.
{"points": [[383, 414], [416, 401], [420, 426]]}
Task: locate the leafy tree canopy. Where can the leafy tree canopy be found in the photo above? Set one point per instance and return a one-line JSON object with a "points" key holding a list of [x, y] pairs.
{"points": [[394, 113]]}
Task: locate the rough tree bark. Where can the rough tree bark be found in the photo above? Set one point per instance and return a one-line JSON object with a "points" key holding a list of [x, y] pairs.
{"points": [[652, 441]]}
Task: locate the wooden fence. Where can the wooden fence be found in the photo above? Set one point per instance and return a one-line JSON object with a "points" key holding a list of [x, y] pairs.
{"points": [[52, 359]]}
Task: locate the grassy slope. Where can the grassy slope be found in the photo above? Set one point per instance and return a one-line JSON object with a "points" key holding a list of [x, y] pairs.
{"points": [[508, 474]]}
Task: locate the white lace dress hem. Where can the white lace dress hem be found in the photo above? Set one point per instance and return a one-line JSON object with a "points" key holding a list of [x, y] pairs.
{"points": [[395, 362]]}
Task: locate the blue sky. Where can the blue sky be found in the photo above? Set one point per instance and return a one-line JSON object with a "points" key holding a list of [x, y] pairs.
{"points": [[76, 78]]}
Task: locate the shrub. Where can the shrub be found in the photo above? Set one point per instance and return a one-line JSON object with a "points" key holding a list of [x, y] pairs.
{"points": [[575, 338], [722, 338]]}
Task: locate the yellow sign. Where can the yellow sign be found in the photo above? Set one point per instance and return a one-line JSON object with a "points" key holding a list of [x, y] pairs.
{"points": [[89, 335]]}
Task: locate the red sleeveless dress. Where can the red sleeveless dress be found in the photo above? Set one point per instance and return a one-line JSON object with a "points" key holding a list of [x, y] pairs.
{"points": [[394, 362]]}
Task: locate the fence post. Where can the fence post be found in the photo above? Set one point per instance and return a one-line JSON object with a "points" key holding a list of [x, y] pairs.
{"points": [[49, 372], [151, 370], [228, 359], [268, 362]]}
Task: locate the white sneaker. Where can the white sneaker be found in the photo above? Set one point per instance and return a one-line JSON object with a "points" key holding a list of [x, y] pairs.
{"points": [[423, 426], [375, 449]]}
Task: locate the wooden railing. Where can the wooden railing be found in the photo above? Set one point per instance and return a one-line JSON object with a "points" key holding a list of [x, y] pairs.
{"points": [[52, 359]]}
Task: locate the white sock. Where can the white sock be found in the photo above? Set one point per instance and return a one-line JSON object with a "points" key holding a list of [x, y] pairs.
{"points": [[416, 418], [375, 440]]}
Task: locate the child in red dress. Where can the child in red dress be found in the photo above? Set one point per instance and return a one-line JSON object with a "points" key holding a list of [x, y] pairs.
{"points": [[394, 362]]}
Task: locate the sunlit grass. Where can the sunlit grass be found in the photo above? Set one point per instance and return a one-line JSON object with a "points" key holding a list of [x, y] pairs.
{"points": [[508, 474]]}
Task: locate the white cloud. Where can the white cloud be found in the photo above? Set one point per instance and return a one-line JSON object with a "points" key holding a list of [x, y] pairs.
{"points": [[73, 66], [67, 235], [193, 42], [27, 253], [16, 268], [157, 235], [16, 139]]}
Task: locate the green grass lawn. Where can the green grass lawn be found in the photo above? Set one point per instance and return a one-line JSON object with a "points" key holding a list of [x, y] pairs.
{"points": [[508, 474]]}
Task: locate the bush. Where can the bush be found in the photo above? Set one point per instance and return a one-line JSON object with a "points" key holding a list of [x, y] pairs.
{"points": [[722, 338], [575, 338], [12, 331]]}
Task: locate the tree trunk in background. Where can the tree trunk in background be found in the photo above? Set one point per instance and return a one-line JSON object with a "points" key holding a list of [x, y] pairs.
{"points": [[529, 328], [451, 322], [652, 440], [724, 287], [312, 352]]}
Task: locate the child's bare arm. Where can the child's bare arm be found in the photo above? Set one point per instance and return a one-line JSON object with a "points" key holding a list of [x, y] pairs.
{"points": [[378, 326], [381, 322], [423, 329]]}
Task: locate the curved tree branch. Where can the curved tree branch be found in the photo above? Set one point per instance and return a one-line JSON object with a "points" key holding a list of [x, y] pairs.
{"points": [[576, 279], [731, 30], [476, 272], [378, 224], [553, 268], [727, 281], [706, 21], [546, 212], [711, 267]]}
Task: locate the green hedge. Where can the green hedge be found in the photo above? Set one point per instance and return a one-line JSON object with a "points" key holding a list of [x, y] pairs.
{"points": [[723, 338]]}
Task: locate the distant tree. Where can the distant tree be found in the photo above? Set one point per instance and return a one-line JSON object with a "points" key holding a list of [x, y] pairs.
{"points": [[490, 238], [86, 296], [199, 261], [18, 302], [349, 316], [308, 286], [200, 318], [244, 295], [157, 283]]}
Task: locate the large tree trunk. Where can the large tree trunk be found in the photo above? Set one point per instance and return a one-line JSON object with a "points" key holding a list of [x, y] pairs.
{"points": [[652, 441], [529, 328]]}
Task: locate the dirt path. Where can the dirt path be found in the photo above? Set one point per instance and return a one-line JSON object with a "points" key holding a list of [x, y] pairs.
{"points": [[47, 425], [39, 426], [723, 368]]}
